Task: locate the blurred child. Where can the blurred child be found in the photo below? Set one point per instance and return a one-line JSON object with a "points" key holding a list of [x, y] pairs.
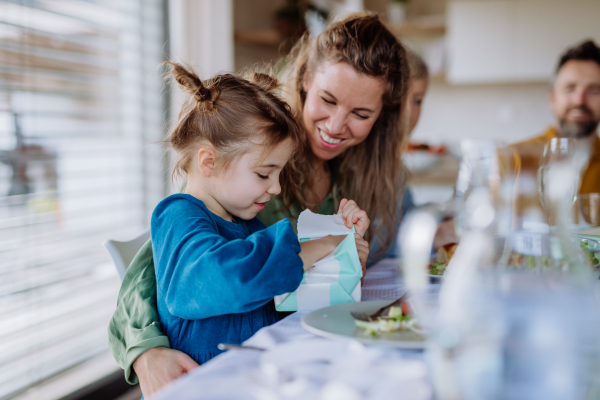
{"points": [[217, 266], [417, 87]]}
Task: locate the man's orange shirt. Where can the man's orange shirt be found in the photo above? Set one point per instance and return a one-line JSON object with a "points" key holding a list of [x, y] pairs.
{"points": [[529, 153]]}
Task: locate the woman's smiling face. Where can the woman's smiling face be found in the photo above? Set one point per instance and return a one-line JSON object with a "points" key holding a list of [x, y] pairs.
{"points": [[340, 109]]}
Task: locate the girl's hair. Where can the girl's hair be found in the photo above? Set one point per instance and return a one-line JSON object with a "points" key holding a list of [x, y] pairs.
{"points": [[228, 112], [371, 173], [418, 68]]}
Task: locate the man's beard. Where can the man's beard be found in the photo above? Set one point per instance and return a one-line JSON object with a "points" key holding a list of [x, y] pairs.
{"points": [[578, 129]]}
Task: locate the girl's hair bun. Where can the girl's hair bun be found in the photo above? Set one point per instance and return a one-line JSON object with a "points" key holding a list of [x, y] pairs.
{"points": [[191, 83], [264, 81]]}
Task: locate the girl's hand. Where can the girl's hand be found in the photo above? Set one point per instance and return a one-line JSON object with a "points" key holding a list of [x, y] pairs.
{"points": [[314, 250], [363, 252], [352, 214]]}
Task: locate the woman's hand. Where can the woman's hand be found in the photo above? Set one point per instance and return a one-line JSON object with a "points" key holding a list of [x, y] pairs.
{"points": [[363, 252], [159, 366], [352, 214]]}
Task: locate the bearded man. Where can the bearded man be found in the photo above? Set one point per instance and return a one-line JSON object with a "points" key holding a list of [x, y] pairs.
{"points": [[575, 102]]}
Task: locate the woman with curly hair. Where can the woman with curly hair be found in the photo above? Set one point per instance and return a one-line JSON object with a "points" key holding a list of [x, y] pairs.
{"points": [[347, 89]]}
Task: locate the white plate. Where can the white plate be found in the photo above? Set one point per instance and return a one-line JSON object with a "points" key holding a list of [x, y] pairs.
{"points": [[419, 160], [335, 322]]}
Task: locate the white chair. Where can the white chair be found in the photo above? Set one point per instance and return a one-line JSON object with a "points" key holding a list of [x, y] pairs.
{"points": [[122, 253]]}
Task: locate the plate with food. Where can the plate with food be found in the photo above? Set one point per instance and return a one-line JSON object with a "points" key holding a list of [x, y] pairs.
{"points": [[538, 255], [383, 323], [421, 156], [438, 266], [591, 248]]}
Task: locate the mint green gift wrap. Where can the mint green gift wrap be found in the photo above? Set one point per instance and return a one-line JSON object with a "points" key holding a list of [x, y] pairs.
{"points": [[334, 279]]}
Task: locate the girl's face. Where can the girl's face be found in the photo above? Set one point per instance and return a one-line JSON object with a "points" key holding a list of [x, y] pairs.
{"points": [[244, 188], [340, 109], [416, 93]]}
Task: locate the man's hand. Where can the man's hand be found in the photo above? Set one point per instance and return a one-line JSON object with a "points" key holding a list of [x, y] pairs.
{"points": [[159, 366], [445, 234]]}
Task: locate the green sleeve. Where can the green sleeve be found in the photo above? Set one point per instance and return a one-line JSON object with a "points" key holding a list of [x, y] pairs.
{"points": [[134, 327], [275, 211]]}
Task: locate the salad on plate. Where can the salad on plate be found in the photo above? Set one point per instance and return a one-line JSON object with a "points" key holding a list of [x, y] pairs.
{"points": [[391, 320]]}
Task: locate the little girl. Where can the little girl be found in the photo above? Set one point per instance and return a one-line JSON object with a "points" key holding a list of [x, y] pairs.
{"points": [[217, 266]]}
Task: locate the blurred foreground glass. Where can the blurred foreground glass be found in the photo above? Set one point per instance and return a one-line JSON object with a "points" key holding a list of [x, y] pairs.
{"points": [[504, 333], [520, 337], [538, 238]]}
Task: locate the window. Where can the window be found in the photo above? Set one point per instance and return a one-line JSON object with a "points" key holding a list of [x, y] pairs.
{"points": [[81, 108]]}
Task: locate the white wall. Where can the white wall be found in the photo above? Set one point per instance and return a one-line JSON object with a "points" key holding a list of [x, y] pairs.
{"points": [[514, 40], [501, 56], [509, 112], [202, 35]]}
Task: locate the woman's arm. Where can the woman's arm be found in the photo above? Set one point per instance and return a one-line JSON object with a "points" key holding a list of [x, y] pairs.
{"points": [[134, 336], [134, 327]]}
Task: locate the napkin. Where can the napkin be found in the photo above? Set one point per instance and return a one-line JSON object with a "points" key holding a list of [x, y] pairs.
{"points": [[332, 280]]}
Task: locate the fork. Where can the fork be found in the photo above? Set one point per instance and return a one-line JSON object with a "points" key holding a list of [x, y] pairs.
{"points": [[231, 346], [363, 316]]}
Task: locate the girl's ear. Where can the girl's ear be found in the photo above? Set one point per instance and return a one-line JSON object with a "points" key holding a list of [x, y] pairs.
{"points": [[206, 161]]}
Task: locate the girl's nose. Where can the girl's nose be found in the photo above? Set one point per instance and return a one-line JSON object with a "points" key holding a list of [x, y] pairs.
{"points": [[275, 188]]}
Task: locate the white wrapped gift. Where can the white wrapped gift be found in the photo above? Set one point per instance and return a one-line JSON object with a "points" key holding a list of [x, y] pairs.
{"points": [[334, 279]]}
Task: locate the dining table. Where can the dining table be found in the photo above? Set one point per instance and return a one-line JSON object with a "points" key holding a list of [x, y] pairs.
{"points": [[293, 363]]}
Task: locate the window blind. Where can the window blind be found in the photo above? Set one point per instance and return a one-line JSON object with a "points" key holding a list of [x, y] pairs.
{"points": [[81, 107]]}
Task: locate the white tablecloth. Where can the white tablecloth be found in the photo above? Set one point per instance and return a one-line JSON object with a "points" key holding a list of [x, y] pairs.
{"points": [[301, 365]]}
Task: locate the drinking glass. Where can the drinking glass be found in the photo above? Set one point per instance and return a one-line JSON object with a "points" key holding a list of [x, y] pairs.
{"points": [[479, 169], [564, 153]]}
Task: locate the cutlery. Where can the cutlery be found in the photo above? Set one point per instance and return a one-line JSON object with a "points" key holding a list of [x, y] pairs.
{"points": [[230, 346], [363, 316]]}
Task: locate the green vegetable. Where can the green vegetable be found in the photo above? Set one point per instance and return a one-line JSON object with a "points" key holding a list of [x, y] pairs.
{"points": [[438, 268], [590, 253], [395, 313]]}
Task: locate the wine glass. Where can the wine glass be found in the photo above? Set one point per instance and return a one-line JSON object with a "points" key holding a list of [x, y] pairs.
{"points": [[484, 190], [563, 153]]}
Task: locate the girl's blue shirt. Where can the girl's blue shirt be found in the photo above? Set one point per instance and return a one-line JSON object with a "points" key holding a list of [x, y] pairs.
{"points": [[216, 279]]}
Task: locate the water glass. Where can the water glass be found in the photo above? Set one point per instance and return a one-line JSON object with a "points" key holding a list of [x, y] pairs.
{"points": [[564, 152]]}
